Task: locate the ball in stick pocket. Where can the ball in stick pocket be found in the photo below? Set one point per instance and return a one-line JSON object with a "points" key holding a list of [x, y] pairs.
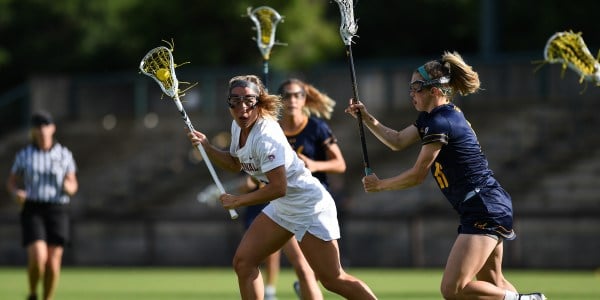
{"points": [[163, 74]]}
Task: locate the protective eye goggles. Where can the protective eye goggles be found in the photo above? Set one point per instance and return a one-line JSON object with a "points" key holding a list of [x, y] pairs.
{"points": [[418, 85], [289, 95], [248, 101]]}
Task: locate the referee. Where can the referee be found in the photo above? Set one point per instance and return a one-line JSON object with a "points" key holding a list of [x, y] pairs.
{"points": [[42, 180]]}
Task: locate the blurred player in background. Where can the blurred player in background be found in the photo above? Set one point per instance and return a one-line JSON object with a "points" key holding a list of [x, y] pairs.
{"points": [[451, 151], [42, 180], [299, 205], [315, 144]]}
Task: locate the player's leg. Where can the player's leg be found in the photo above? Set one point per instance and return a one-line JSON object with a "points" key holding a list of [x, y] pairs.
{"points": [[52, 274], [262, 238], [58, 234], [309, 287], [37, 255], [272, 266], [469, 254], [492, 269], [34, 240], [492, 273], [324, 258], [271, 270]]}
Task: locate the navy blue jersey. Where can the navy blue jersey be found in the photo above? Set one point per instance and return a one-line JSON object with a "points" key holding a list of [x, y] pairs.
{"points": [[461, 171], [312, 140], [461, 166]]}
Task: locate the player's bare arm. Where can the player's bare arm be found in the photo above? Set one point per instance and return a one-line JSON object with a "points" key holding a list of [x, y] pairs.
{"points": [[409, 178], [335, 162], [276, 188], [70, 184], [395, 140], [13, 188], [221, 158]]}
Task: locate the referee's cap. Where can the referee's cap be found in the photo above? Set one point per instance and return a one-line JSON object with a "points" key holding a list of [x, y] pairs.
{"points": [[41, 118]]}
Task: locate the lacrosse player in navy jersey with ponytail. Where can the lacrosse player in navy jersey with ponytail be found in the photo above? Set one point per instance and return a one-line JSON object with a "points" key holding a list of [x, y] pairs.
{"points": [[451, 152]]}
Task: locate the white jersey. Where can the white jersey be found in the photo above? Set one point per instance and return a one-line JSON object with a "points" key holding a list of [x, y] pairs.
{"points": [[267, 148]]}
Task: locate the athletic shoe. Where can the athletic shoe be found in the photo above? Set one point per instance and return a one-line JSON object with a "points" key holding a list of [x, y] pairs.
{"points": [[532, 296], [297, 289], [32, 297]]}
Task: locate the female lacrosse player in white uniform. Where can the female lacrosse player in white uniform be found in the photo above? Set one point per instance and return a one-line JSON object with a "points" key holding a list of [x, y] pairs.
{"points": [[451, 151], [300, 206]]}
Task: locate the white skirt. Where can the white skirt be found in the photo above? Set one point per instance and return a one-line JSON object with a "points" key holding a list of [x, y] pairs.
{"points": [[322, 223]]}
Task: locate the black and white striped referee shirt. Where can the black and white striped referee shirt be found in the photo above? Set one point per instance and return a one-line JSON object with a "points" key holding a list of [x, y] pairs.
{"points": [[43, 172]]}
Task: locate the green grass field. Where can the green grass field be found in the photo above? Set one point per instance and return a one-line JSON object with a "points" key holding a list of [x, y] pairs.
{"points": [[220, 283]]}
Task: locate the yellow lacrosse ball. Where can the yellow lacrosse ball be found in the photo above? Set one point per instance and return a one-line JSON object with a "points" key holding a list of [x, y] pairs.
{"points": [[162, 74]]}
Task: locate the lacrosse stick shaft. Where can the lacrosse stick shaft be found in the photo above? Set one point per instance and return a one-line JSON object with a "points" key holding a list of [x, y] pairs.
{"points": [[266, 73], [355, 99], [209, 165]]}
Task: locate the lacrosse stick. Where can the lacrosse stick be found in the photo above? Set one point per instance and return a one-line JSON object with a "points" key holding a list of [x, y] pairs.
{"points": [[569, 49], [158, 64], [266, 20], [348, 30]]}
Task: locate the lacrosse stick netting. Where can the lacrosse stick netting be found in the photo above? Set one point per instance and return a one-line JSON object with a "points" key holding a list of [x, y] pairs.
{"points": [[158, 64], [265, 20], [568, 49], [348, 29]]}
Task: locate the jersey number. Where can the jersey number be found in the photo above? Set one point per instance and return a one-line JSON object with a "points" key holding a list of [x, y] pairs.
{"points": [[439, 176]]}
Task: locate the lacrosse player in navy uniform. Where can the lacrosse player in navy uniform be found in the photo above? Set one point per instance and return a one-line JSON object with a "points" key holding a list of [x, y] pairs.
{"points": [[306, 130], [302, 121], [42, 180], [451, 152]]}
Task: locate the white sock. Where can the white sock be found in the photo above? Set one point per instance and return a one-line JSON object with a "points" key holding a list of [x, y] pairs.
{"points": [[269, 290], [510, 295]]}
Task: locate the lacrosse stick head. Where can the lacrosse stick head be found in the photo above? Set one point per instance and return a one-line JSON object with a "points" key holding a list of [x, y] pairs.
{"points": [[348, 27], [158, 64], [266, 20], [569, 49]]}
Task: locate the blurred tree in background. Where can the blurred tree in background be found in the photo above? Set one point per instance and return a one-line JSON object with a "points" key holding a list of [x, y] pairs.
{"points": [[71, 36], [63, 36]]}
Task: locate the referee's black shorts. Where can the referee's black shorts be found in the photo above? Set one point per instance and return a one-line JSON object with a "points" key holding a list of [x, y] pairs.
{"points": [[45, 221]]}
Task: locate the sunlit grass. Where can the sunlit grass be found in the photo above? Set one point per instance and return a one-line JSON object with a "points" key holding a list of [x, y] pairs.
{"points": [[221, 283]]}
